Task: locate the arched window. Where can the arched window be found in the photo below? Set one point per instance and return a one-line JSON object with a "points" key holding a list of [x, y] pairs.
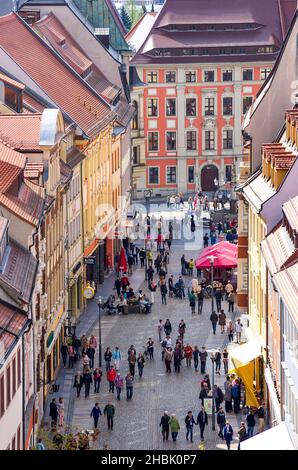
{"points": [[135, 121]]}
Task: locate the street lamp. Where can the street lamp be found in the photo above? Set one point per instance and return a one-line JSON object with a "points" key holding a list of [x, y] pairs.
{"points": [[212, 357], [147, 196], [99, 301], [212, 259]]}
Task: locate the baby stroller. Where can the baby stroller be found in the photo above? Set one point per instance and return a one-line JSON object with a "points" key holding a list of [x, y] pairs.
{"points": [[177, 291]]}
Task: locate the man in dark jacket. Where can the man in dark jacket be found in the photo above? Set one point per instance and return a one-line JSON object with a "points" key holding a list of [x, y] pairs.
{"points": [[189, 422], [203, 358], [214, 320], [251, 422], [218, 297], [202, 421], [221, 421], [142, 256], [109, 411], [218, 397], [87, 379], [64, 352], [95, 413], [53, 413], [91, 354], [165, 427], [200, 302], [78, 383]]}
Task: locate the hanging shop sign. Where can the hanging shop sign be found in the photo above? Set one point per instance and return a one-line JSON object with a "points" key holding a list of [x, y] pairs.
{"points": [[90, 260], [88, 292]]}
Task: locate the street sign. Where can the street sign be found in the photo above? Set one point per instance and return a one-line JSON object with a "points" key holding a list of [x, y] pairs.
{"points": [[90, 260]]}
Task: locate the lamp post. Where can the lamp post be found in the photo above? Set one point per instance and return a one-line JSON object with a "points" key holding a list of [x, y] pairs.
{"points": [[99, 301], [147, 195], [212, 357]]}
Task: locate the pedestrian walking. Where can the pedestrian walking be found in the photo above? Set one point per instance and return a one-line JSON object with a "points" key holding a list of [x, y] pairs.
{"points": [[238, 329], [168, 327], [117, 286], [200, 301], [60, 407], [116, 357], [195, 354], [218, 298], [142, 256], [92, 342], [214, 320], [181, 286], [228, 434], [225, 360], [230, 331], [174, 426], [206, 240], [192, 301], [236, 395], [152, 288], [53, 413], [221, 421], [181, 329], [261, 418], [64, 352], [218, 397], [132, 359], [87, 380], [97, 375], [108, 358], [163, 291], [189, 423], [203, 393], [202, 421], [203, 358], [78, 383], [95, 414], [150, 348], [188, 355], [71, 356], [168, 359], [40, 445], [217, 362], [231, 301], [160, 328], [165, 426], [140, 363], [119, 384], [91, 354], [222, 321], [171, 285], [229, 288], [242, 434], [129, 386], [109, 411], [228, 396], [111, 375], [251, 422], [177, 355]]}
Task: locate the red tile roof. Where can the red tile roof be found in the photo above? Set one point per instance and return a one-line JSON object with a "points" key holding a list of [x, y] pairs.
{"points": [[286, 282], [69, 49], [4, 78], [11, 166], [33, 103], [21, 131], [12, 322], [65, 88]]}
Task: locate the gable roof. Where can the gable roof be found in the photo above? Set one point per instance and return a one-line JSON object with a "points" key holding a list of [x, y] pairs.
{"points": [[11, 166], [21, 131], [12, 323], [71, 94]]}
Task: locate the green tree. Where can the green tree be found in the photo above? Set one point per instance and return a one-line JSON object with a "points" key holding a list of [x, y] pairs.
{"points": [[135, 12], [126, 18]]}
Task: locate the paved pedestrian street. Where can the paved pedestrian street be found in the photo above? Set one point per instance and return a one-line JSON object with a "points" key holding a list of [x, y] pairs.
{"points": [[136, 423]]}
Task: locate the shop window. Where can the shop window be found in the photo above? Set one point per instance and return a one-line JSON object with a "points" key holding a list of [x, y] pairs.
{"points": [[154, 175]]}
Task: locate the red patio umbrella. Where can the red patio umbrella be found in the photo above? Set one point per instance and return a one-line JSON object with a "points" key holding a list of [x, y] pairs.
{"points": [[122, 265], [225, 256]]}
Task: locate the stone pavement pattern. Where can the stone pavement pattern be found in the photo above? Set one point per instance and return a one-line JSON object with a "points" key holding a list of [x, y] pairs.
{"points": [[136, 423]]}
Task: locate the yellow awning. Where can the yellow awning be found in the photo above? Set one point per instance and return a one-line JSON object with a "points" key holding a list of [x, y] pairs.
{"points": [[242, 358]]}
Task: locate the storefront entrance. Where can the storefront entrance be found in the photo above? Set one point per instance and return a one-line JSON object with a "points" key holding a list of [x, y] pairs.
{"points": [[209, 175]]}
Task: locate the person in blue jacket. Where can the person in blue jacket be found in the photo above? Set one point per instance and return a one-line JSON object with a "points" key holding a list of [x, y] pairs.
{"points": [[228, 434], [96, 413]]}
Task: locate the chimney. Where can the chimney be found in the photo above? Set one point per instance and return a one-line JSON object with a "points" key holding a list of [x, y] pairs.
{"points": [[103, 35]]}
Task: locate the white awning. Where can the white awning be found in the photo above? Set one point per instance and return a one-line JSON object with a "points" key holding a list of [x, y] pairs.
{"points": [[276, 438], [245, 353], [272, 395]]}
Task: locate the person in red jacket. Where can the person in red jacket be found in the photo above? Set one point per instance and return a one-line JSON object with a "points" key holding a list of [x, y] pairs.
{"points": [[111, 375], [188, 354]]}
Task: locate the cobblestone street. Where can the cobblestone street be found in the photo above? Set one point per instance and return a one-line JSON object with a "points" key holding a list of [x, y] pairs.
{"points": [[136, 423]]}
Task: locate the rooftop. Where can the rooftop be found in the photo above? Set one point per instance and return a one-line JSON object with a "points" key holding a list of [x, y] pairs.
{"points": [[258, 191], [71, 94], [290, 210], [21, 131], [286, 282], [277, 248], [12, 322]]}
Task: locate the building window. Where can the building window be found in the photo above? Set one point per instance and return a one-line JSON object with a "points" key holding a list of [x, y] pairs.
{"points": [[246, 103], [190, 77], [152, 77], [14, 377], [152, 107], [170, 77], [227, 76], [227, 106], [205, 52], [2, 401], [153, 141], [247, 74], [153, 175], [228, 172], [265, 73], [171, 107], [209, 76], [191, 140], [135, 121], [209, 107], [191, 107], [209, 140], [19, 367], [136, 155], [8, 386], [171, 175], [171, 140], [227, 139], [191, 174]]}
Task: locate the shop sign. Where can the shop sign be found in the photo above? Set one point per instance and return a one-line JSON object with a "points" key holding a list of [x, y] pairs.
{"points": [[90, 260], [88, 292], [50, 339], [208, 405]]}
